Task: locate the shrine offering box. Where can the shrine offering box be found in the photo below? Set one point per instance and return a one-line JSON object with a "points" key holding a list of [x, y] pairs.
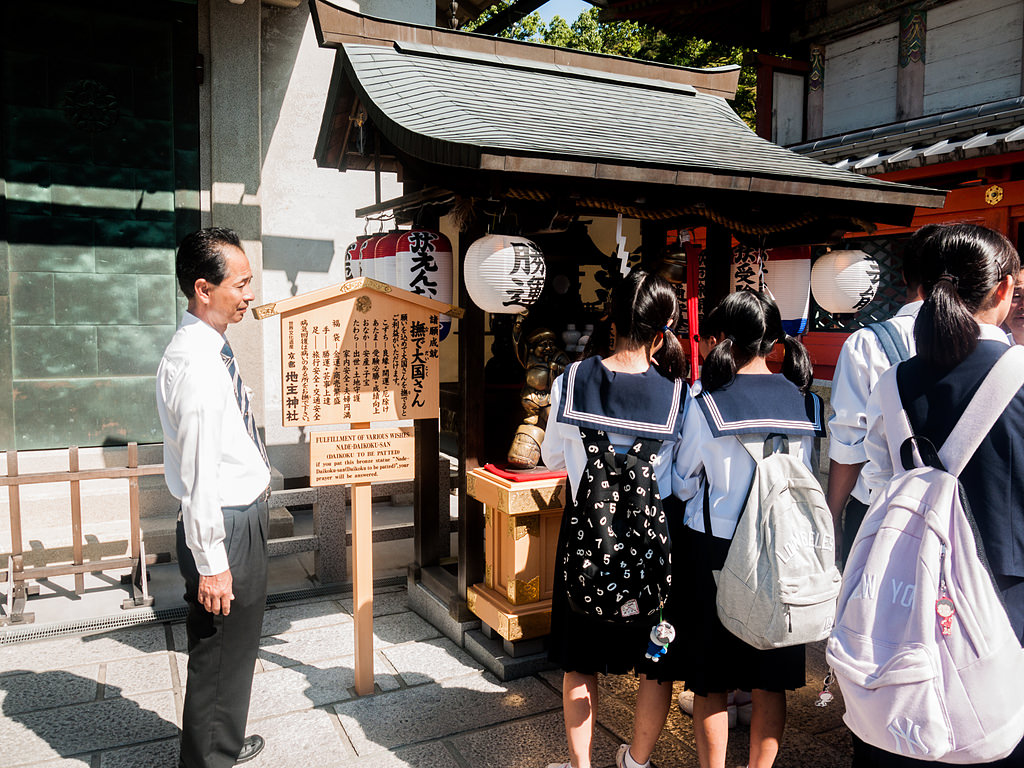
{"points": [[521, 522]]}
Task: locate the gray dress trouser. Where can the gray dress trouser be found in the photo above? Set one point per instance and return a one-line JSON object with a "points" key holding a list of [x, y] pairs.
{"points": [[222, 649]]}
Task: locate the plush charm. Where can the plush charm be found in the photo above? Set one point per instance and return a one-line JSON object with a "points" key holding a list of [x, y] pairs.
{"points": [[662, 634]]}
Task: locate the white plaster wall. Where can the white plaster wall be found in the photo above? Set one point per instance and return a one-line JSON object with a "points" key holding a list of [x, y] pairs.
{"points": [[860, 80], [307, 212], [413, 11], [973, 53]]}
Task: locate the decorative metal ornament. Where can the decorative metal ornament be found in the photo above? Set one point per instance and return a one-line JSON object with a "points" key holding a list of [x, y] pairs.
{"points": [[90, 106], [504, 273], [844, 281], [994, 195]]}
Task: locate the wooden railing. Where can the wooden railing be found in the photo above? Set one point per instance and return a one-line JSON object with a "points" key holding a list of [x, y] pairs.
{"points": [[16, 574]]}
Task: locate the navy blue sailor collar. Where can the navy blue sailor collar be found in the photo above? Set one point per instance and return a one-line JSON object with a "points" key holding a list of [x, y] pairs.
{"points": [[759, 404], [641, 404]]}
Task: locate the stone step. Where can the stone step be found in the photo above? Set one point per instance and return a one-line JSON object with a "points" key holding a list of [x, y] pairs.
{"points": [[160, 533]]}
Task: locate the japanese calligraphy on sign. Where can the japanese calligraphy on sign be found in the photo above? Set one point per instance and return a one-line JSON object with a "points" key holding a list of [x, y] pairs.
{"points": [[747, 269], [361, 352], [360, 455]]}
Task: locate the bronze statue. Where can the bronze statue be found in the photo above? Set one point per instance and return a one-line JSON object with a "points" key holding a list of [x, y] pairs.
{"points": [[544, 362]]}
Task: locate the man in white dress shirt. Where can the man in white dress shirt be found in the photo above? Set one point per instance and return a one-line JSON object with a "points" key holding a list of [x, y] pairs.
{"points": [[861, 363], [215, 464]]}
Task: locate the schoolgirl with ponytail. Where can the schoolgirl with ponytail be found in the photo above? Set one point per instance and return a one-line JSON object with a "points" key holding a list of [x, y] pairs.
{"points": [[738, 396], [634, 395], [968, 275]]}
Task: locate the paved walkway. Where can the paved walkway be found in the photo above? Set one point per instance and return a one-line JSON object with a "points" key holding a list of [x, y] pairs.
{"points": [[113, 700]]}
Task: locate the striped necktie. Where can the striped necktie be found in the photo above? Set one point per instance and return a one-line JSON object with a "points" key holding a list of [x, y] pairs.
{"points": [[243, 400]]}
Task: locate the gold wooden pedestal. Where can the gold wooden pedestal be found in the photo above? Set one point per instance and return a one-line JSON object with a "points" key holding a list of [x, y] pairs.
{"points": [[520, 537]]}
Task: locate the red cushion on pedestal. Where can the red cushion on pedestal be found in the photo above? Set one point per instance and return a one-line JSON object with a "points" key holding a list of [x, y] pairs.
{"points": [[524, 475]]}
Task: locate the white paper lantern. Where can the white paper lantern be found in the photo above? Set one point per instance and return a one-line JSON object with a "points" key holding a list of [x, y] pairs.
{"points": [[844, 281], [504, 273], [423, 265]]}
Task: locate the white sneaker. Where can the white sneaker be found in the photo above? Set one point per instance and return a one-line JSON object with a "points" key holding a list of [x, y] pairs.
{"points": [[686, 704], [559, 765], [620, 758]]}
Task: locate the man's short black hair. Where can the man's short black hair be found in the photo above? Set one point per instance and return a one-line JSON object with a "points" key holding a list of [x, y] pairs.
{"points": [[199, 256]]}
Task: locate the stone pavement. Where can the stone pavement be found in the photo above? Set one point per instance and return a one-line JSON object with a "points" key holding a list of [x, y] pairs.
{"points": [[113, 700]]}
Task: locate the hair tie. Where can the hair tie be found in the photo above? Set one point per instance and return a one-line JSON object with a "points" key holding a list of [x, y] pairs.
{"points": [[666, 329], [953, 279]]}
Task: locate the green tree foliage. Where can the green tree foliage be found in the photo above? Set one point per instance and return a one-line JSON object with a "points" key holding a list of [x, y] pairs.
{"points": [[635, 41]]}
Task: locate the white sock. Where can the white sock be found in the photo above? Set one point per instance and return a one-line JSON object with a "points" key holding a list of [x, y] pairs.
{"points": [[629, 762]]}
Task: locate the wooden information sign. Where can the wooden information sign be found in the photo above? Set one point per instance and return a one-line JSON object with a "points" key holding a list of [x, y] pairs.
{"points": [[354, 353], [361, 455], [358, 353]]}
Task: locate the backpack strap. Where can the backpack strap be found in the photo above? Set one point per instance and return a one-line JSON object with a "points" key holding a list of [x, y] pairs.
{"points": [[897, 423], [892, 343], [998, 388]]}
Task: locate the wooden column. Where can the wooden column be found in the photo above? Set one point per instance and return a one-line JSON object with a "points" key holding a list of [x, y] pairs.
{"points": [[428, 547], [910, 73], [471, 437], [816, 93], [719, 264], [362, 581]]}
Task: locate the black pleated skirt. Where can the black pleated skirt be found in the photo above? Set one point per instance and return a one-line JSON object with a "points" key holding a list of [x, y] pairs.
{"points": [[580, 643], [707, 656]]}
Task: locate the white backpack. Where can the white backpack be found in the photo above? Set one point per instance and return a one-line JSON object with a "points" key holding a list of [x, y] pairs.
{"points": [[779, 583], [923, 650]]}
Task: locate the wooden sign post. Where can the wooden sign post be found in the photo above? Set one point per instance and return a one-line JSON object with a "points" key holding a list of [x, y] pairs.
{"points": [[357, 353]]}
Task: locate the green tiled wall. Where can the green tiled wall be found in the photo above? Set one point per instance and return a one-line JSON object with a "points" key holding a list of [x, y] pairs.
{"points": [[89, 222], [132, 350], [86, 411], [54, 352]]}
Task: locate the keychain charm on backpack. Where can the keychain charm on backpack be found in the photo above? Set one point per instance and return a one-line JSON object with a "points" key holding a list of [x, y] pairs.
{"points": [[944, 607], [825, 696], [662, 634], [946, 610]]}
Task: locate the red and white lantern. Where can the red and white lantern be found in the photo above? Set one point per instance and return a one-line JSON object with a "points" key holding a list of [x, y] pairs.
{"points": [[423, 265], [365, 260], [352, 257], [384, 257]]}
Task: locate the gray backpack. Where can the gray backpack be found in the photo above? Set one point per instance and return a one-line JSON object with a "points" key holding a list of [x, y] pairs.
{"points": [[779, 583]]}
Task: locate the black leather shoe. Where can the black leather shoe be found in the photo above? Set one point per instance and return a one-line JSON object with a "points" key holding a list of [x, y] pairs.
{"points": [[251, 747]]}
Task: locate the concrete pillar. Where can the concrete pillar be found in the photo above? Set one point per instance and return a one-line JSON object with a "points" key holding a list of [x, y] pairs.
{"points": [[232, 145]]}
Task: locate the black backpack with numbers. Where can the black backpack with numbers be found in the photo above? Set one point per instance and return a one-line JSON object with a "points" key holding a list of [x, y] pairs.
{"points": [[617, 564]]}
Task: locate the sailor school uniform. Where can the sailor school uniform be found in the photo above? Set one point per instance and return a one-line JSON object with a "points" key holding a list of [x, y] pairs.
{"points": [[709, 657], [625, 406]]}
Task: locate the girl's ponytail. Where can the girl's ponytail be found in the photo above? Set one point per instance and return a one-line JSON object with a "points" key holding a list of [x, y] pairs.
{"points": [[719, 366], [796, 365], [945, 330], [671, 358], [961, 265]]}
